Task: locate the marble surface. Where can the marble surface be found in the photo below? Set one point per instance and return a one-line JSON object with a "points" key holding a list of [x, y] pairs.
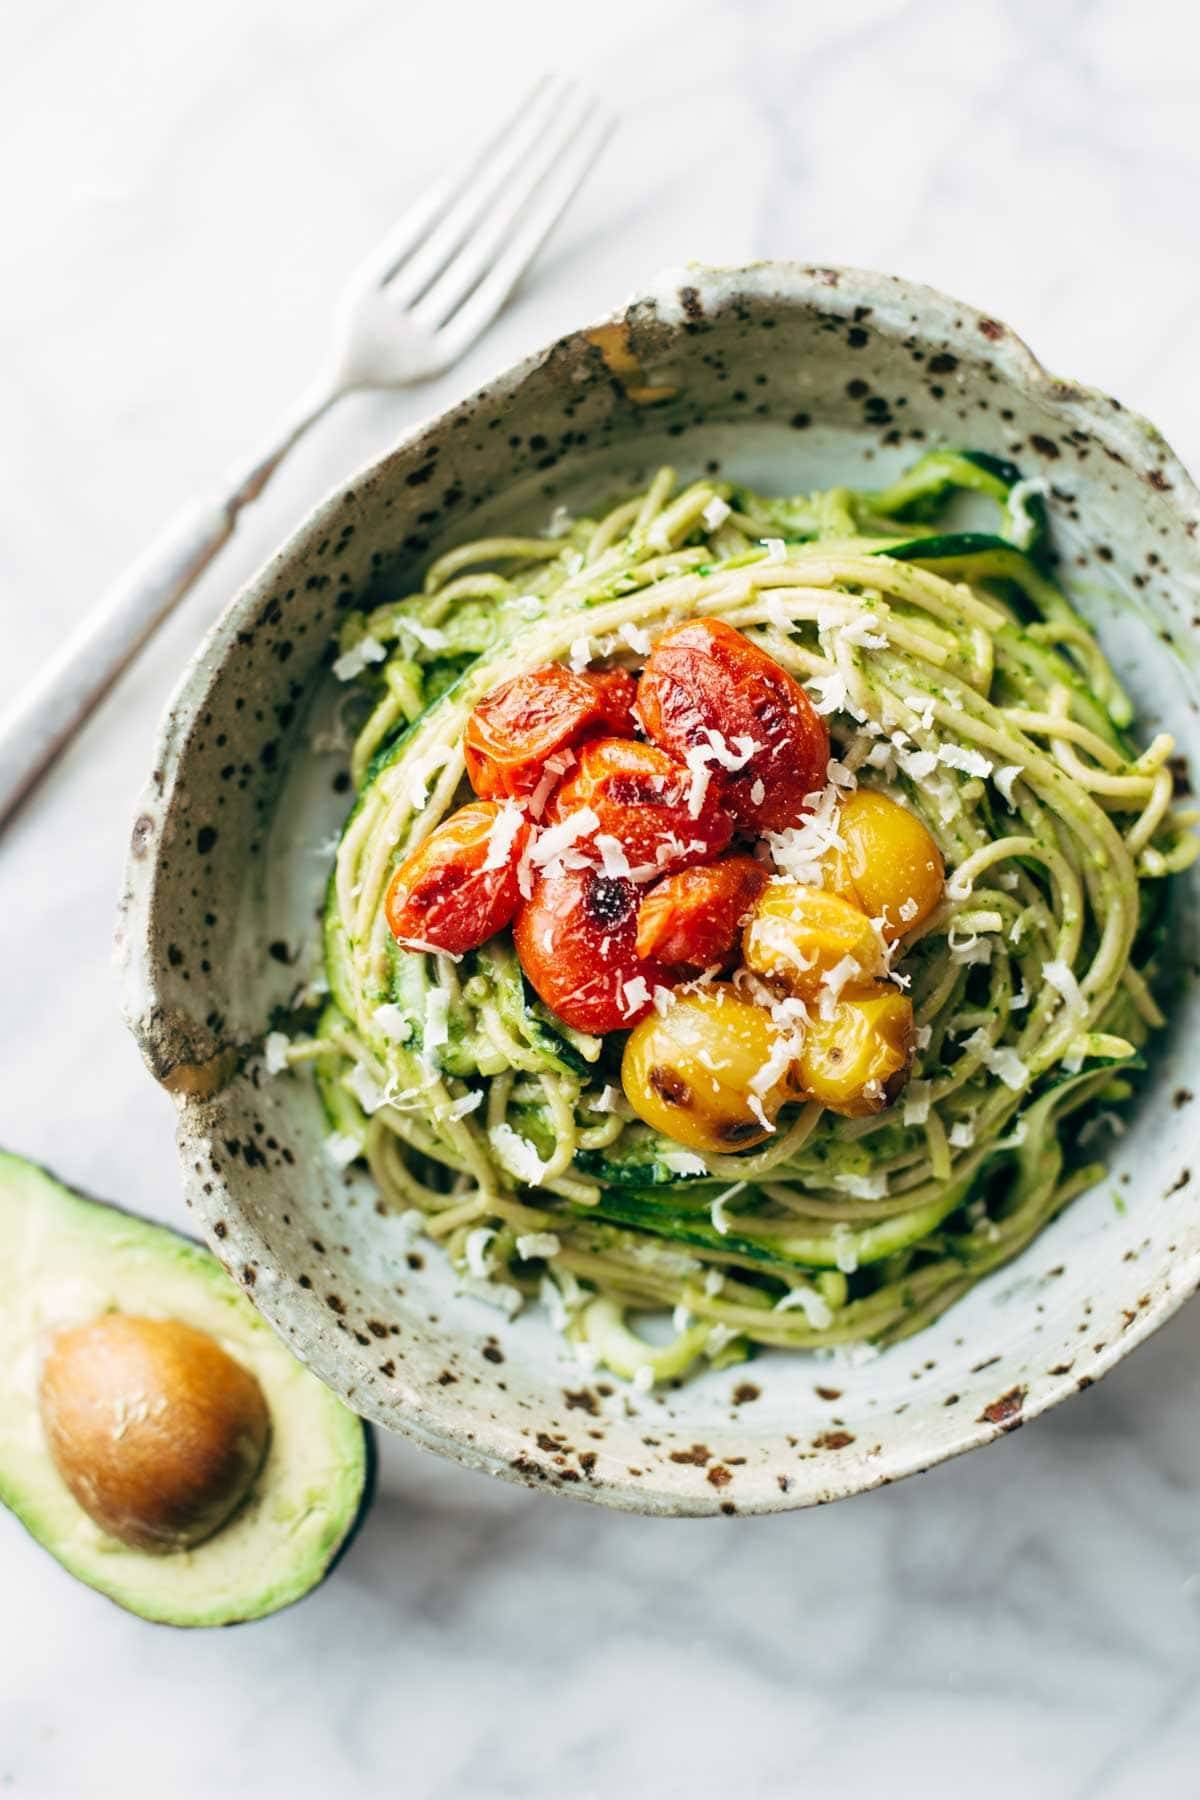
{"points": [[183, 187]]}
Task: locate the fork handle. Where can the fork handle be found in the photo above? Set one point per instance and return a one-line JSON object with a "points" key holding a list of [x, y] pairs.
{"points": [[44, 719]]}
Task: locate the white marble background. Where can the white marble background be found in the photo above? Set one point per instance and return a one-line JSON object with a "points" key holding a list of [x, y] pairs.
{"points": [[181, 186]]}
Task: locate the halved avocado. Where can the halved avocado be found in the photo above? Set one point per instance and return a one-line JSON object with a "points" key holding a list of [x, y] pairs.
{"points": [[68, 1259]]}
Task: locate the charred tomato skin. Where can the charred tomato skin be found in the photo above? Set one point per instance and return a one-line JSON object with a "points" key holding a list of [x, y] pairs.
{"points": [[693, 919], [443, 896], [576, 937], [519, 724], [639, 793], [702, 677]]}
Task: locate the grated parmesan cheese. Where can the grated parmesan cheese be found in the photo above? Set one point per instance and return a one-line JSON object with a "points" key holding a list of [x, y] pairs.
{"points": [[971, 949], [417, 790], [862, 1187], [428, 637], [555, 839], [612, 854], [1004, 779], [999, 1060], [366, 1089], [970, 762], [857, 632], [801, 850], [580, 654], [478, 1243], [553, 769], [635, 636], [720, 1218], [393, 1022], [831, 691], [756, 1107], [775, 548], [503, 835], [833, 981], [715, 513], [635, 994], [275, 1052], [360, 656], [815, 1307], [538, 1243], [517, 1154], [845, 1250], [611, 1100], [1062, 979], [437, 1019], [917, 1099], [683, 1162], [698, 760], [341, 1148], [918, 765]]}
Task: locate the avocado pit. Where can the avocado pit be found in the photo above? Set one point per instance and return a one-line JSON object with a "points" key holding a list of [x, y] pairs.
{"points": [[155, 1429]]}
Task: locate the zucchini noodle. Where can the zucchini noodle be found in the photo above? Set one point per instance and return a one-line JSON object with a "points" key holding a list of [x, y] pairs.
{"points": [[954, 676]]}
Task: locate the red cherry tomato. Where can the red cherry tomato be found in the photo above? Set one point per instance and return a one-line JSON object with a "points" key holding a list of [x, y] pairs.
{"points": [[695, 918], [576, 940], [616, 692], [640, 796], [704, 677], [443, 895], [519, 724]]}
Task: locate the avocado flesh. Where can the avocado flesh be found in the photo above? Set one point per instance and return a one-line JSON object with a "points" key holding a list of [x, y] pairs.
{"points": [[67, 1259]]}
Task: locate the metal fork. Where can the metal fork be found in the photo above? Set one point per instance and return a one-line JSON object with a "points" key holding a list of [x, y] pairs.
{"points": [[409, 311]]}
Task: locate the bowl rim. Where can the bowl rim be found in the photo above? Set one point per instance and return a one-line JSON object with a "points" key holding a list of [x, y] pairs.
{"points": [[171, 1056]]}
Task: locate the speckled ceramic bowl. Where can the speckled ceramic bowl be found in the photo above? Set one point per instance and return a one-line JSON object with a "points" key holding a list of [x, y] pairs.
{"points": [[787, 377]]}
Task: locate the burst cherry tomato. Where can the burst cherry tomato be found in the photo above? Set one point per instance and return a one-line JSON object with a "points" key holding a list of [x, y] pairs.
{"points": [[444, 895], [640, 796], [576, 938], [705, 678], [519, 724], [695, 918], [616, 692]]}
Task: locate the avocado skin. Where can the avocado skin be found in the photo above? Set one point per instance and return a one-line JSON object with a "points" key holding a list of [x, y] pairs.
{"points": [[278, 1564]]}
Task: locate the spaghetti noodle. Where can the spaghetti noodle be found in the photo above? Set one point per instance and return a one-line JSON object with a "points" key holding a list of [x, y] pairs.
{"points": [[953, 675]]}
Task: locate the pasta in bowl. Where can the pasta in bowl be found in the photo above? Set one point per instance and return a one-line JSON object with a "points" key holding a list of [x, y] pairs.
{"points": [[742, 896], [685, 1343]]}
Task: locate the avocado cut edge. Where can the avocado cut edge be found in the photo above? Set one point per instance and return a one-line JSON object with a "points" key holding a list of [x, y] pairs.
{"points": [[69, 1258]]}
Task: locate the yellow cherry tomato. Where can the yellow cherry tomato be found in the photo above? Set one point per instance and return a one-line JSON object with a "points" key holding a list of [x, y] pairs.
{"points": [[797, 934], [857, 1061], [890, 866], [690, 1072]]}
